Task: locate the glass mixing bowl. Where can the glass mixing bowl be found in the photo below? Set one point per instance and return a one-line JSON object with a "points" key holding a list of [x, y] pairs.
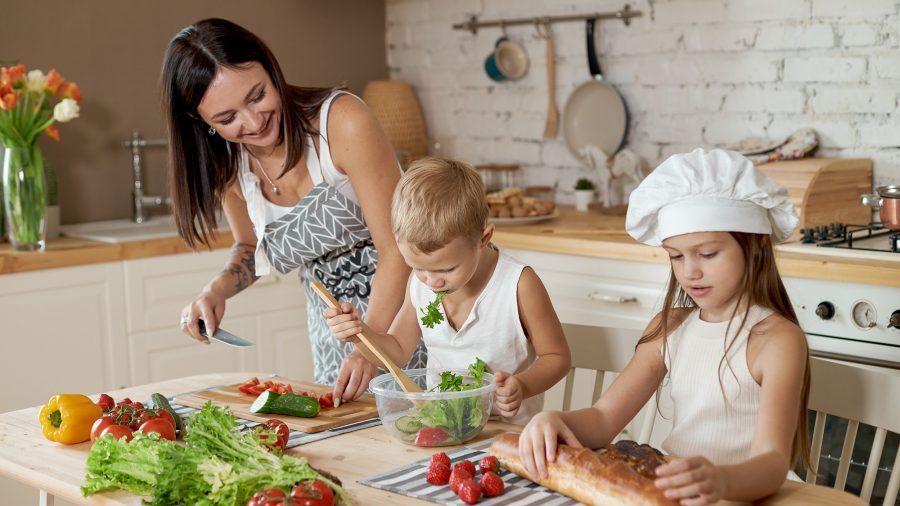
{"points": [[433, 418]]}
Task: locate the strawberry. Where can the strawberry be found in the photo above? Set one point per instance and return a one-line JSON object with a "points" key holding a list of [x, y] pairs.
{"points": [[438, 474], [457, 476], [491, 484], [467, 465], [469, 491], [489, 463], [442, 458]]}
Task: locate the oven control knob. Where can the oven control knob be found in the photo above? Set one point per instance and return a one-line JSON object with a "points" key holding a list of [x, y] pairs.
{"points": [[825, 310], [895, 320]]}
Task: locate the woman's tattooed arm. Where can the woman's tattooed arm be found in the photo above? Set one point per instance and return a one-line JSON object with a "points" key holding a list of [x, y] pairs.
{"points": [[242, 266]]}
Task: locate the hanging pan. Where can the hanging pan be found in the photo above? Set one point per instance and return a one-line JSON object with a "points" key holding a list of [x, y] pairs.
{"points": [[595, 115]]}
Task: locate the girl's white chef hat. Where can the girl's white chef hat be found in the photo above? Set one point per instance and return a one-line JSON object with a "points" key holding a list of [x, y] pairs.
{"points": [[708, 191]]}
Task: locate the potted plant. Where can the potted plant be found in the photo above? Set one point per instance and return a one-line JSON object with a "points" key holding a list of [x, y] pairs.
{"points": [[584, 193]]}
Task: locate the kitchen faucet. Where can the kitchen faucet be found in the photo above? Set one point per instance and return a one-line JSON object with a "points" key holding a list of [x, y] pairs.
{"points": [[141, 203]]}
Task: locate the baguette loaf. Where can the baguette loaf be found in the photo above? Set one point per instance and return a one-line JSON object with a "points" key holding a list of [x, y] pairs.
{"points": [[618, 475]]}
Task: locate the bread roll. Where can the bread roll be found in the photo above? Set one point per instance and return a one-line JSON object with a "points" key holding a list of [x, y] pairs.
{"points": [[618, 475]]}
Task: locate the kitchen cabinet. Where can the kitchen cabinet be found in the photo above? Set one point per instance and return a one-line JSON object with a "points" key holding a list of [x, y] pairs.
{"points": [[271, 312], [62, 328], [110, 325]]}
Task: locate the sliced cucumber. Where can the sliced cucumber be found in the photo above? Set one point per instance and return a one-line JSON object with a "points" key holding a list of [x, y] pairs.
{"points": [[408, 424], [285, 404]]}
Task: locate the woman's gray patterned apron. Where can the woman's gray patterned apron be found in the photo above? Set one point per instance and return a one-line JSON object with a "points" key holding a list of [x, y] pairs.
{"points": [[326, 237]]}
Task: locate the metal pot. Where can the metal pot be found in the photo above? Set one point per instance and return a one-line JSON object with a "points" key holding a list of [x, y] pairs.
{"points": [[886, 200]]}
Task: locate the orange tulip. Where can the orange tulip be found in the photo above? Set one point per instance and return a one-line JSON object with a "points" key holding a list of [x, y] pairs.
{"points": [[72, 91], [52, 132], [12, 75], [54, 82], [9, 100]]}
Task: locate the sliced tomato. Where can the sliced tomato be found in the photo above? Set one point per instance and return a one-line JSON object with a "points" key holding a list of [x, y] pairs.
{"points": [[289, 389], [252, 381], [327, 400], [257, 389]]}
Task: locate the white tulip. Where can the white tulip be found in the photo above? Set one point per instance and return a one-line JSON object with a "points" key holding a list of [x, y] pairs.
{"points": [[66, 110], [35, 80]]}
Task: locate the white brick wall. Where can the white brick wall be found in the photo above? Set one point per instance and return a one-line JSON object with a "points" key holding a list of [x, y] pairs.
{"points": [[692, 72]]}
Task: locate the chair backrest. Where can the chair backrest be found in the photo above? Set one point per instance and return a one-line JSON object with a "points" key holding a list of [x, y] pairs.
{"points": [[861, 394], [605, 350]]}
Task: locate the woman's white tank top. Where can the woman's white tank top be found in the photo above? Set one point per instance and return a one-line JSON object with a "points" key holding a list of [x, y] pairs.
{"points": [[704, 422]]}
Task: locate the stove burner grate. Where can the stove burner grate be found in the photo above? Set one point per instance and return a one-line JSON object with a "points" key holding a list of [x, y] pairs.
{"points": [[849, 236]]}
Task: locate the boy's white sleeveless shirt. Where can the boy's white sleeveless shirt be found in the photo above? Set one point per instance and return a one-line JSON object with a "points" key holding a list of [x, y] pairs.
{"points": [[492, 331], [703, 422]]}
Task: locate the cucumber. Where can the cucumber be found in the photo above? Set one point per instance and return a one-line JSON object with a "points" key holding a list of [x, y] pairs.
{"points": [[408, 424], [159, 401], [285, 404]]}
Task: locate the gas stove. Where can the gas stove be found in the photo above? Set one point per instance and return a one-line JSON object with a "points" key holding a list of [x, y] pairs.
{"points": [[856, 322]]}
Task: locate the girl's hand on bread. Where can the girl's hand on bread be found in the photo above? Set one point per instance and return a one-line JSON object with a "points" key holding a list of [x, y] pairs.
{"points": [[539, 439], [344, 324], [508, 395], [693, 481]]}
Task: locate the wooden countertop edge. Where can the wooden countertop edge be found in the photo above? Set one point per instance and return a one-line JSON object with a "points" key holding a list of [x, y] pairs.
{"points": [[65, 252]]}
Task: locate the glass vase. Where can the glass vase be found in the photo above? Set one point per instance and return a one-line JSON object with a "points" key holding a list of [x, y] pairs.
{"points": [[24, 197]]}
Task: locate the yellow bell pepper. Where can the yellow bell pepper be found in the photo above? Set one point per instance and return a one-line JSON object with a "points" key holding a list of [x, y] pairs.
{"points": [[67, 418]]}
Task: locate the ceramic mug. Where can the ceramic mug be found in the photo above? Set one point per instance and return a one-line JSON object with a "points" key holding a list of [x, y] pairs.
{"points": [[508, 61]]}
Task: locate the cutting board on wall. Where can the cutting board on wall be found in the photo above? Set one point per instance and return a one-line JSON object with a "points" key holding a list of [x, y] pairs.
{"points": [[328, 418]]}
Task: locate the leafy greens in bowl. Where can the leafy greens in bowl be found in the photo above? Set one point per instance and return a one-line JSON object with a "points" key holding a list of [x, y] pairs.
{"points": [[453, 409]]}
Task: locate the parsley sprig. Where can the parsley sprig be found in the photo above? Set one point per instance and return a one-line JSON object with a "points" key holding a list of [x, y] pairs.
{"points": [[432, 314]]}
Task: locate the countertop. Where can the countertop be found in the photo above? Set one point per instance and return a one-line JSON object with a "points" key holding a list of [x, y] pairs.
{"points": [[598, 235], [27, 457], [67, 252], [591, 234]]}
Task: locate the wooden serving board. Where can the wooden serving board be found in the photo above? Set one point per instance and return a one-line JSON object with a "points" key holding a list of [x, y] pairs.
{"points": [[328, 418]]}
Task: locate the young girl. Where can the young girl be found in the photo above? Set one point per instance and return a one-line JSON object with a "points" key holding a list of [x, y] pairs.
{"points": [[727, 338]]}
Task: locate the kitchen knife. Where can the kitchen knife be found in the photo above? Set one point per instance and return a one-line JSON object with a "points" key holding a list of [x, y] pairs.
{"points": [[223, 336]]}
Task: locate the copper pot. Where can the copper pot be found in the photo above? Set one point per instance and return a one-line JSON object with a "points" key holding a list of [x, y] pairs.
{"points": [[887, 200]]}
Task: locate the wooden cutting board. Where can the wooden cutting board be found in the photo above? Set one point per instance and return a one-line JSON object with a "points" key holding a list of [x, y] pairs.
{"points": [[328, 418]]}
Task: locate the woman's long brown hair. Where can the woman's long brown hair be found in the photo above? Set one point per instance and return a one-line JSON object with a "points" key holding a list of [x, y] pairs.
{"points": [[201, 166], [761, 286]]}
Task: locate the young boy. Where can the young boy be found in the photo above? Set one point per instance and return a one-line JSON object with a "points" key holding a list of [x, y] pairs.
{"points": [[493, 307]]}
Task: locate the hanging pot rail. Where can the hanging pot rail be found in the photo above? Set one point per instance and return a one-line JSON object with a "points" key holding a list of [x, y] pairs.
{"points": [[473, 24]]}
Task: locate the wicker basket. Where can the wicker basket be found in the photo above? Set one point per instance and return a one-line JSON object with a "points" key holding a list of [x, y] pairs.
{"points": [[397, 108]]}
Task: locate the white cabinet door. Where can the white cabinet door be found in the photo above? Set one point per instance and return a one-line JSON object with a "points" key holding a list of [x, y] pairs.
{"points": [[62, 332], [271, 312]]}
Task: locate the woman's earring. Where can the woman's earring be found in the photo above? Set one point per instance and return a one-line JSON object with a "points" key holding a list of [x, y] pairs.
{"points": [[211, 131]]}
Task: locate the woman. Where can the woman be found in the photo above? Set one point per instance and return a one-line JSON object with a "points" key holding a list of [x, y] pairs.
{"points": [[304, 176]]}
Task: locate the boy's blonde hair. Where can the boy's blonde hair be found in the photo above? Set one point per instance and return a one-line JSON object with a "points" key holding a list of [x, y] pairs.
{"points": [[436, 201]]}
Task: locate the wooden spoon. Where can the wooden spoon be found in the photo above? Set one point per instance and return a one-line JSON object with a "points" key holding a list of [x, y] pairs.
{"points": [[552, 124], [405, 382]]}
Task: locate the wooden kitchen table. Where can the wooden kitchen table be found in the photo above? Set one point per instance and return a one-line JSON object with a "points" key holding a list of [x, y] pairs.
{"points": [[58, 470]]}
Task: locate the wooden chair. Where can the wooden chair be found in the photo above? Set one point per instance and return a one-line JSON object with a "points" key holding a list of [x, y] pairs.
{"points": [[861, 394], [605, 350]]}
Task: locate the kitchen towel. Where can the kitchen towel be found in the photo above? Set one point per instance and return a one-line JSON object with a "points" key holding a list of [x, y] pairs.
{"points": [[409, 480], [296, 438]]}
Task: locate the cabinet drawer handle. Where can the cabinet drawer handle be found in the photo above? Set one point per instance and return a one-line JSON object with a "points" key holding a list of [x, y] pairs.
{"points": [[615, 299]]}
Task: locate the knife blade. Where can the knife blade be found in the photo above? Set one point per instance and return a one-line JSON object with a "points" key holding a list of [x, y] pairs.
{"points": [[223, 336]]}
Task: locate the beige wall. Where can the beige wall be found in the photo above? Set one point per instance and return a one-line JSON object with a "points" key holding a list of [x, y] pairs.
{"points": [[113, 49]]}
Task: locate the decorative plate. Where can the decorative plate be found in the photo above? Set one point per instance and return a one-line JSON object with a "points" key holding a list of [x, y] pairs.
{"points": [[525, 220]]}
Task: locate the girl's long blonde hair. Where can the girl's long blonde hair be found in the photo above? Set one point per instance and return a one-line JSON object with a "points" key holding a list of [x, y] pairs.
{"points": [[761, 286]]}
